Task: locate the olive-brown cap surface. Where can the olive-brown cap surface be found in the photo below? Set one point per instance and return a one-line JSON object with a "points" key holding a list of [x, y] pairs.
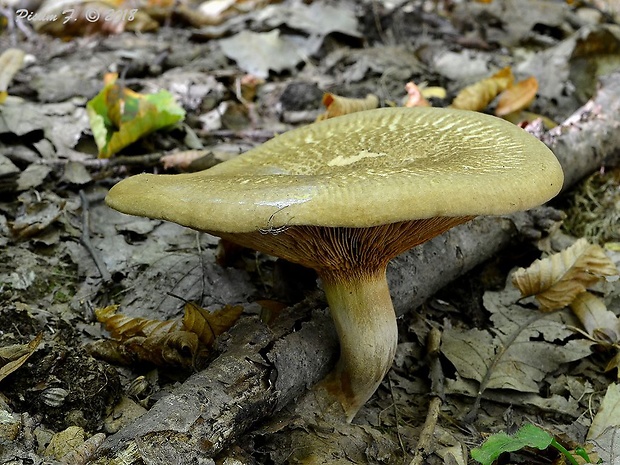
{"points": [[364, 169]]}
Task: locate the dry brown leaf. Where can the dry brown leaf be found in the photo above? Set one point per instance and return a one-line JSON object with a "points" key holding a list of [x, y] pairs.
{"points": [[559, 278], [178, 342], [122, 327], [338, 106], [415, 97], [181, 349], [517, 97], [208, 325], [248, 86], [602, 325], [477, 96], [16, 356], [111, 351], [178, 349], [614, 363]]}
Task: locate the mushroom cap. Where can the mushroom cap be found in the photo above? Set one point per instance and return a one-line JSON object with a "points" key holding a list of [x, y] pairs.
{"points": [[359, 170]]}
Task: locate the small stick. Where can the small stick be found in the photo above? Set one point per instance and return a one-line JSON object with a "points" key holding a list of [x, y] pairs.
{"points": [[85, 239], [149, 159], [259, 135], [424, 447]]}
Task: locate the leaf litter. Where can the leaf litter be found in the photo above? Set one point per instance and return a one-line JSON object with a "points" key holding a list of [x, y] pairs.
{"points": [[147, 259], [523, 347]]}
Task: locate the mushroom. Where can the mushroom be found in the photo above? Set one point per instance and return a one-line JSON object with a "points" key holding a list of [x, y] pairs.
{"points": [[346, 195]]}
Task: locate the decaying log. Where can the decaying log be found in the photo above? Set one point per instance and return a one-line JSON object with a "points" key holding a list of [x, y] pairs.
{"points": [[260, 371], [264, 368]]}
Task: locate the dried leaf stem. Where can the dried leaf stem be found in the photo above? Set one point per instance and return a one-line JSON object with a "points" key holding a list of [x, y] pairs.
{"points": [[473, 413]]}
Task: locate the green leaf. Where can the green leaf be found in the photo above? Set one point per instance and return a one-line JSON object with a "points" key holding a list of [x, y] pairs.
{"points": [[497, 444], [118, 116]]}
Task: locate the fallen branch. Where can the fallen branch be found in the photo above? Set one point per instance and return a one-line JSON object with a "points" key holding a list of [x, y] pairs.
{"points": [[263, 369]]}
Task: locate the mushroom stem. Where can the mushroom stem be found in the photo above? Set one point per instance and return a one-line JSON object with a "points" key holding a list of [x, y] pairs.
{"points": [[364, 316]]}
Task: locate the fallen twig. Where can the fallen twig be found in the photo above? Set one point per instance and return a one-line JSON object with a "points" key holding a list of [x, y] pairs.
{"points": [[258, 135], [85, 239]]}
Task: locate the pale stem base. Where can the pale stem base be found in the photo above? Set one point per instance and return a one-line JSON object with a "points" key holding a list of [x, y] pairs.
{"points": [[366, 324]]}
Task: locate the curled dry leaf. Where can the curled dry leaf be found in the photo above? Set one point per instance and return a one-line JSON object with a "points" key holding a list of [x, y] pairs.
{"points": [[177, 349], [122, 327], [602, 325], [477, 96], [338, 106], [559, 278], [14, 356], [162, 343], [11, 62], [111, 351], [517, 97], [178, 342], [208, 325], [415, 97]]}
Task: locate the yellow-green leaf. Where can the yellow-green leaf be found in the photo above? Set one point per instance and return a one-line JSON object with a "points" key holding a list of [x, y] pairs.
{"points": [[119, 116]]}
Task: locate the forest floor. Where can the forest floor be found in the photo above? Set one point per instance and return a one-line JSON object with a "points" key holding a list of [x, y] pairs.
{"points": [[242, 75]]}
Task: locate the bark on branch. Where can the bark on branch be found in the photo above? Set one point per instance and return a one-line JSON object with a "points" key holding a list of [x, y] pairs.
{"points": [[265, 368]]}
